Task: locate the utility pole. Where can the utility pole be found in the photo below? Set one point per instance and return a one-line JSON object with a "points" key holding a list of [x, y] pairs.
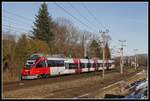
{"points": [[84, 45], [113, 51], [135, 58], [104, 41], [103, 60], [129, 61], [122, 60], [85, 52]]}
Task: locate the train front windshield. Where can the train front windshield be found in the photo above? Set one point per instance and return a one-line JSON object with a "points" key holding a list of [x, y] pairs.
{"points": [[29, 64], [31, 61]]}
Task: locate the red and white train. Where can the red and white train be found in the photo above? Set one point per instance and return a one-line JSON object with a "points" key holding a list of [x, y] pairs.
{"points": [[38, 66]]}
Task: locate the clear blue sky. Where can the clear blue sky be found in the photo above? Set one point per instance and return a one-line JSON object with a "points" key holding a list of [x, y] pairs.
{"points": [[128, 20]]}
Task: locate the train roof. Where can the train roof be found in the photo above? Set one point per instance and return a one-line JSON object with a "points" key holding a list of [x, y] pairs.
{"points": [[52, 58], [81, 60], [64, 58]]}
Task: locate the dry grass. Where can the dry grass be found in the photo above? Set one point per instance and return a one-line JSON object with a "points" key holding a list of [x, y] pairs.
{"points": [[48, 89], [8, 76], [44, 90]]}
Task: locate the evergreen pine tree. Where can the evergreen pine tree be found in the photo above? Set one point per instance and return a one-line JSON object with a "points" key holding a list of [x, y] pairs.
{"points": [[95, 49], [42, 26]]}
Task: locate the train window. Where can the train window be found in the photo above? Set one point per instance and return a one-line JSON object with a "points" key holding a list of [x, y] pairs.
{"points": [[66, 66], [91, 65], [41, 64], [50, 63], [98, 64], [106, 64], [88, 65], [85, 65], [55, 63], [73, 66], [59, 63], [101, 65], [82, 65], [94, 64]]}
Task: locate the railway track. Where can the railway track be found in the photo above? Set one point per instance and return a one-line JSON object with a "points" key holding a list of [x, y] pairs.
{"points": [[30, 83], [86, 91], [65, 86]]}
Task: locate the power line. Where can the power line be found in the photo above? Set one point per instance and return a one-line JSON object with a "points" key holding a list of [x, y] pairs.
{"points": [[22, 17], [73, 16], [114, 42], [14, 27], [17, 33], [90, 13], [12, 22], [18, 15], [11, 19], [81, 14], [7, 29]]}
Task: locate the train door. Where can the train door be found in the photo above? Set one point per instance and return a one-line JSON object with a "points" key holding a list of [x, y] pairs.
{"points": [[53, 67], [95, 65], [78, 68], [107, 65], [41, 68], [60, 66], [83, 65], [88, 65]]}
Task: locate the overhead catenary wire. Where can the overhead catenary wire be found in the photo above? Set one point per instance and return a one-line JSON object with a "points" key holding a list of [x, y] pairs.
{"points": [[15, 27], [16, 33], [92, 15], [13, 23], [73, 16], [82, 16], [22, 17], [17, 15], [27, 19], [96, 20], [114, 42], [5, 30], [14, 20]]}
